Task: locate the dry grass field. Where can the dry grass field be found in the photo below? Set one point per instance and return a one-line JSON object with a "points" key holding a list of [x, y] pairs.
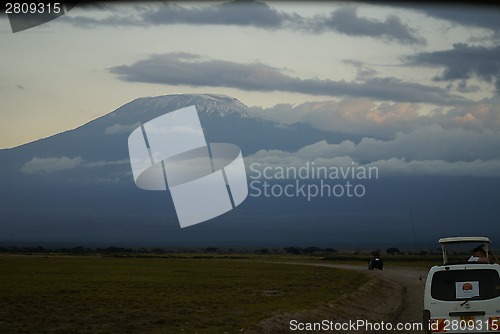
{"points": [[94, 294]]}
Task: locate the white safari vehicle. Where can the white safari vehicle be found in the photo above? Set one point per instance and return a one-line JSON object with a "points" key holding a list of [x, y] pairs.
{"points": [[463, 297]]}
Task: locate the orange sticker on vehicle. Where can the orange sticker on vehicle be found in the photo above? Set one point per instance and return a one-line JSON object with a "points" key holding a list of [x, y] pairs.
{"points": [[438, 325], [494, 324]]}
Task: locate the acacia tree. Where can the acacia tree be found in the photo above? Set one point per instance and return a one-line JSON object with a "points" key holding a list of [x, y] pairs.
{"points": [[393, 251]]}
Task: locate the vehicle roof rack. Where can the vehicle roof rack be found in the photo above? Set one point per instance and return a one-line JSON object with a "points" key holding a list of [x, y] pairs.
{"points": [[450, 240]]}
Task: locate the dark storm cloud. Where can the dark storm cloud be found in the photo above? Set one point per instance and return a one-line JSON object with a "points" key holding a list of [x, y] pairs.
{"points": [[259, 15], [111, 20], [346, 21], [256, 14], [472, 15], [115, 16], [192, 70], [463, 62]]}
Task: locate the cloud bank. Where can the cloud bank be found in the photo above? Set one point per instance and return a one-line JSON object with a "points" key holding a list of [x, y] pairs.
{"points": [[365, 117], [478, 15], [58, 164], [344, 20], [193, 70], [463, 62], [50, 165], [429, 150]]}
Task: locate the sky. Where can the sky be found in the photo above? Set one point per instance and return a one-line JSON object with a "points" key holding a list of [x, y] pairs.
{"points": [[412, 89], [405, 77]]}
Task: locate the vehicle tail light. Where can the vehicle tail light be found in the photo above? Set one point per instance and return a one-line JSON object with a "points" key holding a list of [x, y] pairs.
{"points": [[494, 324], [437, 325]]}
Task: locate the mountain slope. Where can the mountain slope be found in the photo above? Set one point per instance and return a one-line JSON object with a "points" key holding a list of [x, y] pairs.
{"points": [[223, 118], [77, 187], [65, 183]]}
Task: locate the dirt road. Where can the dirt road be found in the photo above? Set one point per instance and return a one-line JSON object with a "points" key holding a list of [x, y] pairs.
{"points": [[395, 295], [412, 290]]}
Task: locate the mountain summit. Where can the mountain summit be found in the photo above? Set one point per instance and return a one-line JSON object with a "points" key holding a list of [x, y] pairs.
{"points": [[78, 185], [209, 104], [222, 105]]}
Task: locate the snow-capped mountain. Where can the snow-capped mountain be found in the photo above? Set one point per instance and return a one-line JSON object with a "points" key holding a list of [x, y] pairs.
{"points": [[77, 187], [223, 118], [78, 178], [221, 105]]}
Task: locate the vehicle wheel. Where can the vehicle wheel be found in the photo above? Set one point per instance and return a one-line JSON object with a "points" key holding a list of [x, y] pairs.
{"points": [[425, 322]]}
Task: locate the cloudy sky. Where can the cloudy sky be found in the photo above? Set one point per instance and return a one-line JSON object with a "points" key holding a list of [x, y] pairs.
{"points": [[407, 78]]}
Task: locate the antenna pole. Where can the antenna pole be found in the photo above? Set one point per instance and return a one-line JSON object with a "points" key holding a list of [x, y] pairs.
{"points": [[415, 240]]}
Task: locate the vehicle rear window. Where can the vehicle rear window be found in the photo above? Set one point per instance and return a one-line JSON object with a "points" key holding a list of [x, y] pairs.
{"points": [[460, 284]]}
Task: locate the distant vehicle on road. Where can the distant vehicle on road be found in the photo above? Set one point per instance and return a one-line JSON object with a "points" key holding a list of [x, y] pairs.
{"points": [[375, 261], [462, 297]]}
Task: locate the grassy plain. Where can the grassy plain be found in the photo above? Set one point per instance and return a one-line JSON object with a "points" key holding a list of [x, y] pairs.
{"points": [[94, 294]]}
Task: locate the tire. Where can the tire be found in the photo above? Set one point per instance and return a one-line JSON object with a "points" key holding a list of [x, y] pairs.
{"points": [[425, 321]]}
